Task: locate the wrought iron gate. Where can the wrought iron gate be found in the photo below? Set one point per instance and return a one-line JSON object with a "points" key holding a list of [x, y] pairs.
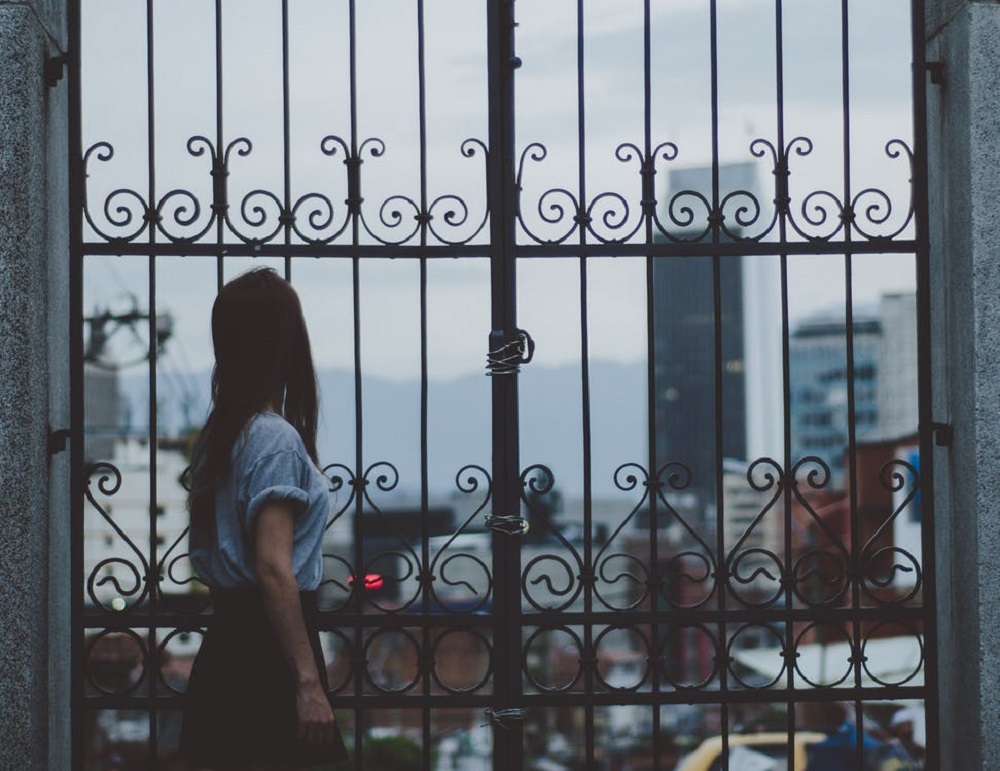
{"points": [[704, 588]]}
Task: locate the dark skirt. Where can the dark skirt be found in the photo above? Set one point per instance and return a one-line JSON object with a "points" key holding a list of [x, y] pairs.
{"points": [[240, 702]]}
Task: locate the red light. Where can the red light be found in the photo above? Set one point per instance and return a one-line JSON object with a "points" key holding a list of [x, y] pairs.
{"points": [[372, 581]]}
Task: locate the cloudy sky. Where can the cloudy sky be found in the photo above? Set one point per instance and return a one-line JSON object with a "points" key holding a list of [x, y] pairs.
{"points": [[547, 111]]}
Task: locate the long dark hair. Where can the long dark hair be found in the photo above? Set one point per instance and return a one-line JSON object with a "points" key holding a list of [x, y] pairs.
{"points": [[262, 360]]}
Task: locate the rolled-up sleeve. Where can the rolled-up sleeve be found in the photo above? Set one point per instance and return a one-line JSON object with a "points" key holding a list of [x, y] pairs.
{"points": [[276, 477]]}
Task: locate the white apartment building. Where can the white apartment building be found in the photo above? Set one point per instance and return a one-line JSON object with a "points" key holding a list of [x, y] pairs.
{"points": [[117, 525]]}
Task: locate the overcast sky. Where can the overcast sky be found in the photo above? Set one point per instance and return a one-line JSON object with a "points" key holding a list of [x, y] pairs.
{"points": [[547, 112]]}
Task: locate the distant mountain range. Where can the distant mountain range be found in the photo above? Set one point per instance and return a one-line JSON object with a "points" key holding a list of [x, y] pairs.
{"points": [[458, 421]]}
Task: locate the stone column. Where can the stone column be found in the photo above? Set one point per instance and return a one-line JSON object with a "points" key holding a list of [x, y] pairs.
{"points": [[34, 589], [964, 140]]}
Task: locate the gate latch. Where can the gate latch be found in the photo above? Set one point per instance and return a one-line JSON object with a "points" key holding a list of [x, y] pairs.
{"points": [[936, 69], [507, 524], [508, 352], [57, 440], [499, 718], [944, 434], [54, 66]]}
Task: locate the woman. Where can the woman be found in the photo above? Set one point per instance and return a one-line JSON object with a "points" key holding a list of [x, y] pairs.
{"points": [[257, 697]]}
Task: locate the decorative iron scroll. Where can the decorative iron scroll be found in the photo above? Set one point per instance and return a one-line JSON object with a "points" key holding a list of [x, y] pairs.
{"points": [[182, 217], [609, 217], [551, 580], [818, 573], [689, 216], [132, 588], [882, 564], [443, 568]]}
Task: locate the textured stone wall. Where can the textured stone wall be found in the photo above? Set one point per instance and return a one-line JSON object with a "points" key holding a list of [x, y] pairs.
{"points": [[57, 237], [33, 336], [964, 138]]}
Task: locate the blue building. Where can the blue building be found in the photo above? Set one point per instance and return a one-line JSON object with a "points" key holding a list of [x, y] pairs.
{"points": [[818, 365]]}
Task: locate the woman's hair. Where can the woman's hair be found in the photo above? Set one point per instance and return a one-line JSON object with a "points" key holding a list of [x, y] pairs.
{"points": [[262, 360]]}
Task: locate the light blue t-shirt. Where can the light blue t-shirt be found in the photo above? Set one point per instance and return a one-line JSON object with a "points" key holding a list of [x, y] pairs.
{"points": [[270, 463]]}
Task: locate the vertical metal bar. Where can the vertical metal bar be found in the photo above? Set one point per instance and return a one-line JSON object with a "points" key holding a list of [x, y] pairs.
{"points": [[720, 546], [786, 492], [424, 572], [286, 138], [76, 481], [589, 652], [782, 202], [720, 530], [852, 450], [152, 580], [507, 741], [654, 532], [581, 120], [219, 139], [925, 401], [714, 54], [425, 658], [654, 563], [357, 597], [357, 586]]}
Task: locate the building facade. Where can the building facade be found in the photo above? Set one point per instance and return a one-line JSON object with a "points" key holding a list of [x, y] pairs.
{"points": [[898, 408], [885, 379], [684, 328], [819, 406]]}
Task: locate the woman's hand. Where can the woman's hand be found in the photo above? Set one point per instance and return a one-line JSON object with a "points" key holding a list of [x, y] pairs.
{"points": [[317, 723]]}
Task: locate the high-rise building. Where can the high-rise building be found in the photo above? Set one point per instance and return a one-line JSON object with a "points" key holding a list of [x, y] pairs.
{"points": [[885, 378], [685, 368], [897, 380], [818, 370], [686, 319]]}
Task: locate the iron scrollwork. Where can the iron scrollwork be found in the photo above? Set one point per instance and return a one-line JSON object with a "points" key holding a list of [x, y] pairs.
{"points": [[553, 579], [692, 216], [397, 565], [883, 564], [618, 567], [182, 217], [461, 569], [455, 580], [107, 572], [689, 578], [749, 571]]}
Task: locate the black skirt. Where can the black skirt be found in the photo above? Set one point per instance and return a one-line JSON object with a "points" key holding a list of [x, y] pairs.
{"points": [[240, 702]]}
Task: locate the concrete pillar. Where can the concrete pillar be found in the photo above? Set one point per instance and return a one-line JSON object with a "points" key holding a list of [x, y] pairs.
{"points": [[34, 513], [964, 140]]}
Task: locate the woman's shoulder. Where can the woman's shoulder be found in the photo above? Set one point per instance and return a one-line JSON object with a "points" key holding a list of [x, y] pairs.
{"points": [[268, 433]]}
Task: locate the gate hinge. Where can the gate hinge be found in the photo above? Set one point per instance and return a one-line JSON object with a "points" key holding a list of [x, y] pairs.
{"points": [[943, 433], [57, 440], [499, 718], [507, 524], [936, 69], [508, 352], [54, 66]]}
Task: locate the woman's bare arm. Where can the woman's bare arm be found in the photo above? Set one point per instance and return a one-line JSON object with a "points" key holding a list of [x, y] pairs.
{"points": [[280, 594]]}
